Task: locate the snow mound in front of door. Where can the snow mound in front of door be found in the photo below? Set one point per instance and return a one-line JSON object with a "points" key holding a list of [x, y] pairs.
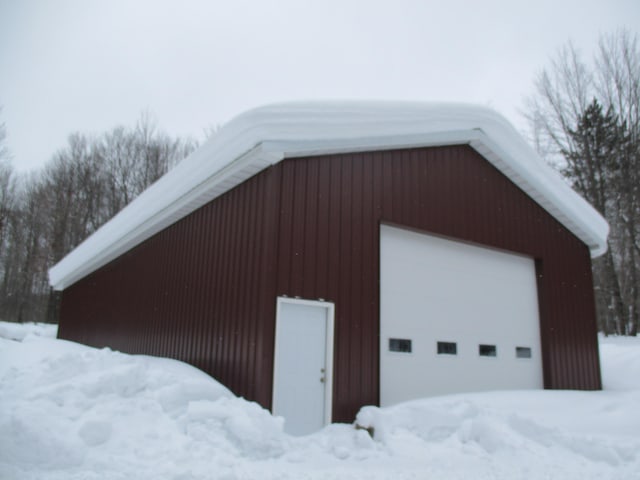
{"points": [[68, 411], [564, 434], [550, 434], [68, 408]]}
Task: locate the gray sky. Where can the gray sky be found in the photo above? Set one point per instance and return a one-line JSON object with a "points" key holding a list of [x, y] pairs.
{"points": [[89, 65]]}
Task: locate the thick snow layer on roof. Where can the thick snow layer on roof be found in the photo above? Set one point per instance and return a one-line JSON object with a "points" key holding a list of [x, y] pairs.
{"points": [[264, 136]]}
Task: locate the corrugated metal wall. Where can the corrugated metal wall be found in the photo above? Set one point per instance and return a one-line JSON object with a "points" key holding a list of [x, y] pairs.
{"points": [[205, 289], [329, 248], [195, 292]]}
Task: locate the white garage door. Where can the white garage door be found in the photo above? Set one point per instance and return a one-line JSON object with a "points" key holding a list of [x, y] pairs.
{"points": [[454, 318]]}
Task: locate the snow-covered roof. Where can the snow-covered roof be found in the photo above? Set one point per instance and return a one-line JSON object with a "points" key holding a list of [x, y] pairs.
{"points": [[264, 136]]}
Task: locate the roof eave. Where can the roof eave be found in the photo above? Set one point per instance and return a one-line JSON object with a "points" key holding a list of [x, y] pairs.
{"points": [[240, 153]]}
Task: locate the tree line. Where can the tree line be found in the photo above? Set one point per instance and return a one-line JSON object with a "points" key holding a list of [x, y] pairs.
{"points": [[46, 214], [585, 118]]}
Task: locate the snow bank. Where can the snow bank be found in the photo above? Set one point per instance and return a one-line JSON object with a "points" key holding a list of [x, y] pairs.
{"points": [[72, 412], [566, 434], [18, 331], [620, 362], [74, 409]]}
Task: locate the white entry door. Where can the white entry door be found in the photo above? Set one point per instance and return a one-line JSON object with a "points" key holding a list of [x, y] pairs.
{"points": [[303, 364]]}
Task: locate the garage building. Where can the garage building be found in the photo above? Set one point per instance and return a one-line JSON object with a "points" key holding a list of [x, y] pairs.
{"points": [[318, 257]]}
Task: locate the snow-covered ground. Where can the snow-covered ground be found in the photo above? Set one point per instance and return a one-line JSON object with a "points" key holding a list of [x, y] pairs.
{"points": [[17, 331], [72, 412]]}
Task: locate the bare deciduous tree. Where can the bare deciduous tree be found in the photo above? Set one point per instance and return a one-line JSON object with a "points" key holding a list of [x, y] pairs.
{"points": [[51, 212]]}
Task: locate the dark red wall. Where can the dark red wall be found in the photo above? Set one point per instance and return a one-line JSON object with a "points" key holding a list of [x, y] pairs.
{"points": [[199, 291], [205, 289]]}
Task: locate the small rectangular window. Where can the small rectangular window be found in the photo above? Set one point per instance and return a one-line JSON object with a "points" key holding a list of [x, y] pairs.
{"points": [[447, 348], [402, 345], [523, 352], [487, 350]]}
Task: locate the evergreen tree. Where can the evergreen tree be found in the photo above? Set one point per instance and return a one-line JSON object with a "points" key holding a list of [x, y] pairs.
{"points": [[592, 161], [585, 119]]}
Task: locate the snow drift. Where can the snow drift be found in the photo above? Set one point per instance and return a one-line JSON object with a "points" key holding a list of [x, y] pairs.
{"points": [[74, 412]]}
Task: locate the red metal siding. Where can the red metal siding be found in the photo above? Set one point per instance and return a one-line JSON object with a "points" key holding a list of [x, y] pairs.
{"points": [[204, 290], [192, 292], [450, 191]]}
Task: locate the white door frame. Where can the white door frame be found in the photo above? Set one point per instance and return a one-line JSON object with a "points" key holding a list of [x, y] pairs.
{"points": [[328, 374]]}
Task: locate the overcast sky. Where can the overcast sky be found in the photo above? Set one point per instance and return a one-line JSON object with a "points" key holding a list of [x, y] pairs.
{"points": [[89, 65]]}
